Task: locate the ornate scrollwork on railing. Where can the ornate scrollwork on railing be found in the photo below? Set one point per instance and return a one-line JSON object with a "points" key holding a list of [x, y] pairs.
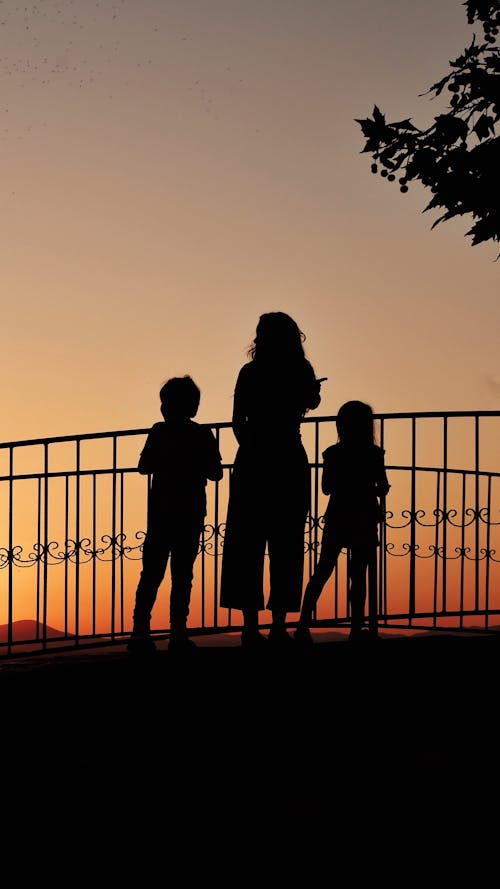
{"points": [[13, 556], [490, 554], [110, 547], [73, 551], [48, 553], [407, 549], [313, 523], [484, 516], [443, 519], [134, 553], [415, 516], [114, 549], [83, 551], [221, 533], [472, 515], [211, 540]]}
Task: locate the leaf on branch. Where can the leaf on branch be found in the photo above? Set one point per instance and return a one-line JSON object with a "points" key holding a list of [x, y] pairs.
{"points": [[372, 146], [437, 201], [468, 54], [437, 87], [451, 128], [483, 230], [446, 217], [473, 7], [367, 126], [378, 117], [484, 126], [403, 125], [458, 156], [374, 130], [492, 63]]}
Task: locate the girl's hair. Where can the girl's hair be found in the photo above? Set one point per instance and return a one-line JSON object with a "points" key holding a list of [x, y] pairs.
{"points": [[355, 423], [277, 337], [180, 396]]}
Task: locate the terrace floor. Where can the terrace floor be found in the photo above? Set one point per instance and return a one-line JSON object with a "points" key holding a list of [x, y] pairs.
{"points": [[419, 690], [224, 739]]}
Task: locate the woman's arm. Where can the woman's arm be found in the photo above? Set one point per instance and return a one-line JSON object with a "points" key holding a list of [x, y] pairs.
{"points": [[312, 394], [240, 415]]}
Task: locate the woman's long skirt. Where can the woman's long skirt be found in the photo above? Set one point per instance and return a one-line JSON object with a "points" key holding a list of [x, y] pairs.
{"points": [[264, 541]]}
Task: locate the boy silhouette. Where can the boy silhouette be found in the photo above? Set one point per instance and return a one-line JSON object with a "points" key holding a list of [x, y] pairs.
{"points": [[181, 456]]}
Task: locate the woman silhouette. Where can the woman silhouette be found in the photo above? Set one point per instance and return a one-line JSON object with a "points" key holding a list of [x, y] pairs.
{"points": [[270, 484]]}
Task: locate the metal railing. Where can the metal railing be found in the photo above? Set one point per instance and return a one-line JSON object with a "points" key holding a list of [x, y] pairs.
{"points": [[73, 517]]}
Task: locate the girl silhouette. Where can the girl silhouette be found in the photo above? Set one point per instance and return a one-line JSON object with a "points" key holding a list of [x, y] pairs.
{"points": [[354, 476]]}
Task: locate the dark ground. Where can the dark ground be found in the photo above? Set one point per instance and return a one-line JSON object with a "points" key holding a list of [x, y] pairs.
{"points": [[266, 754], [424, 697]]}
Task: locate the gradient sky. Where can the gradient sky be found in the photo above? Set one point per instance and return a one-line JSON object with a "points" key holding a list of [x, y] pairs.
{"points": [[173, 169]]}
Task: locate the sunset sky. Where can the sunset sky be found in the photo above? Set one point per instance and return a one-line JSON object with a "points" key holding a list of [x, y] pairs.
{"points": [[171, 169]]}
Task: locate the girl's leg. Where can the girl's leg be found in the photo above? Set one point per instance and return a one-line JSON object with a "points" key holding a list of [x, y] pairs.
{"points": [[330, 551], [358, 564]]}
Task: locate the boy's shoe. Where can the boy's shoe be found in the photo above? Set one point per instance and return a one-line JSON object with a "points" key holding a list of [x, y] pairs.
{"points": [[360, 634], [279, 637], [180, 643], [141, 645], [302, 636], [253, 639]]}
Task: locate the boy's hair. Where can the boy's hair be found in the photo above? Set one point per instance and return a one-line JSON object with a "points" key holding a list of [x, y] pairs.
{"points": [[180, 397], [355, 423]]}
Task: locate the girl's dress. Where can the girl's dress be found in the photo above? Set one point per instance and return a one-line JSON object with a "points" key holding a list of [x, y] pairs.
{"points": [[355, 478]]}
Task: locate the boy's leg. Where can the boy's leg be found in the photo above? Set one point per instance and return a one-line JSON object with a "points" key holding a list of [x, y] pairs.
{"points": [[155, 555], [184, 552]]}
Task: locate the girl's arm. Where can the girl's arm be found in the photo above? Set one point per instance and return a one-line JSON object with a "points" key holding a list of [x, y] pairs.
{"points": [[382, 485], [328, 476]]}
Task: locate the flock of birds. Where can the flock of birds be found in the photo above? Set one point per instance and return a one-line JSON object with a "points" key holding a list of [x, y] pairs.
{"points": [[50, 46]]}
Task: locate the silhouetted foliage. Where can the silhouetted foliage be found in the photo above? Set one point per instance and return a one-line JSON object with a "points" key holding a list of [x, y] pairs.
{"points": [[458, 157]]}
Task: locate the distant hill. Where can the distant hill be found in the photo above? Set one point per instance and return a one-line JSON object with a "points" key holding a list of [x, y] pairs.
{"points": [[24, 630]]}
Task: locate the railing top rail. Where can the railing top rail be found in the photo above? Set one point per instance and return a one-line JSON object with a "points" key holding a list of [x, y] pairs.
{"points": [[125, 470], [409, 415], [86, 436], [226, 424]]}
